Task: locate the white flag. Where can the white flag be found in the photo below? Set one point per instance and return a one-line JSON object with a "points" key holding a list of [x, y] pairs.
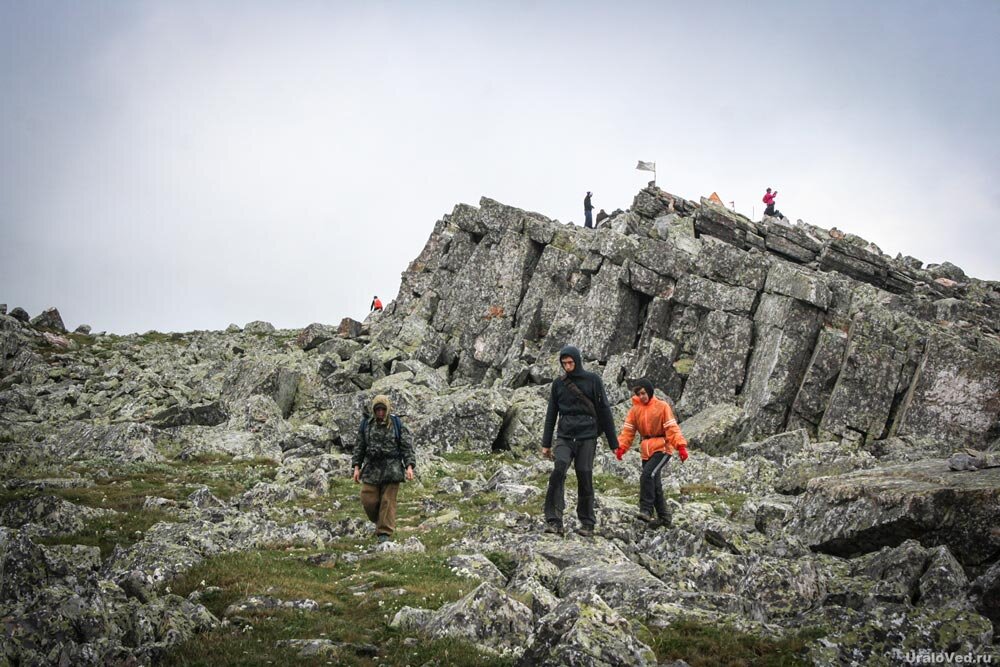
{"points": [[646, 166]]}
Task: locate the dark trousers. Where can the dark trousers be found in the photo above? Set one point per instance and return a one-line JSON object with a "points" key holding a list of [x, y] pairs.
{"points": [[581, 454], [651, 485], [588, 218], [771, 211]]}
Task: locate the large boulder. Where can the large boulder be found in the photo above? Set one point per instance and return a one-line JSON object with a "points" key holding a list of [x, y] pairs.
{"points": [[48, 516], [985, 595], [49, 319], [864, 511], [250, 377], [610, 315], [315, 335], [584, 630], [723, 345], [468, 420], [956, 395], [485, 616], [785, 334], [209, 414], [715, 430]]}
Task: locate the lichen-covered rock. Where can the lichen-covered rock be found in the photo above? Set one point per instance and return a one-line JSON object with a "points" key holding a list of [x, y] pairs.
{"points": [[315, 335], [524, 420], [863, 511], [209, 414], [820, 459], [714, 430], [49, 319], [956, 395], [985, 595], [585, 631], [468, 420], [411, 545], [486, 616], [126, 442], [609, 317], [777, 448], [327, 648], [410, 618], [248, 377], [717, 375], [785, 334], [477, 566], [48, 516], [22, 566], [862, 398], [259, 327], [264, 603], [886, 634]]}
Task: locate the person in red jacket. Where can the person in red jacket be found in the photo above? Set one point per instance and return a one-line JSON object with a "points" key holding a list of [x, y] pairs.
{"points": [[654, 421], [769, 198], [376, 304]]}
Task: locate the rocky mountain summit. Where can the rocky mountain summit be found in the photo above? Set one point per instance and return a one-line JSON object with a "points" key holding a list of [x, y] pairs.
{"points": [[840, 505]]}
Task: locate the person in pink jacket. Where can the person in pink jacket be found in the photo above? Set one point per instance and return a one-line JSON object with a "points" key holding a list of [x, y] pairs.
{"points": [[769, 198]]}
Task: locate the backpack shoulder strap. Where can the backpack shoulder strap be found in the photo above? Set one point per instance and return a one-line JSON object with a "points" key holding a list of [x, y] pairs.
{"points": [[397, 425], [587, 403]]}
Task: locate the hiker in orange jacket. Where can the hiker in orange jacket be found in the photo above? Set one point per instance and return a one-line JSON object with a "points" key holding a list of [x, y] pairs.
{"points": [[654, 421]]}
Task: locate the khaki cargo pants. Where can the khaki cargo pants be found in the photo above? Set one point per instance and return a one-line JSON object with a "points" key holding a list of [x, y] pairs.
{"points": [[380, 506]]}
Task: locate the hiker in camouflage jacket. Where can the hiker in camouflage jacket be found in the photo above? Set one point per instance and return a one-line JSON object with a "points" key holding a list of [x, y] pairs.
{"points": [[383, 458]]}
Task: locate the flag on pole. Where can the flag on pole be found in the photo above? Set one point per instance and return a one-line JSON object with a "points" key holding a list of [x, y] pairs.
{"points": [[646, 166]]}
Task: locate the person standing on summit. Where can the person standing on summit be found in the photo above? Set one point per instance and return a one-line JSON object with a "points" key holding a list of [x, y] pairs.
{"points": [[579, 401], [588, 209], [769, 198]]}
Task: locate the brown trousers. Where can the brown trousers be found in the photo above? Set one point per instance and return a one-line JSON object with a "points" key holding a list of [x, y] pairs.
{"points": [[380, 506]]}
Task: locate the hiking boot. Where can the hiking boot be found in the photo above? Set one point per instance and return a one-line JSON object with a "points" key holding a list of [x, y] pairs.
{"points": [[382, 538], [644, 516], [659, 522], [585, 531], [553, 528]]}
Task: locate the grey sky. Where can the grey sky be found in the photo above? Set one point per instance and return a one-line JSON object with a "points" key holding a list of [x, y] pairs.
{"points": [[184, 165]]}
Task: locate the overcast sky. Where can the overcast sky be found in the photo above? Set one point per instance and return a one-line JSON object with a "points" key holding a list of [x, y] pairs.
{"points": [[187, 165]]}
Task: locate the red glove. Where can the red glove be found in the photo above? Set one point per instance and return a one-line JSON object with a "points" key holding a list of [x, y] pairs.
{"points": [[619, 453], [682, 452]]}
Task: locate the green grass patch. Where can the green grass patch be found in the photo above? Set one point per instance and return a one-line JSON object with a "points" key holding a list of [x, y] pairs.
{"points": [[613, 485], [357, 602], [722, 501], [706, 645], [152, 337]]}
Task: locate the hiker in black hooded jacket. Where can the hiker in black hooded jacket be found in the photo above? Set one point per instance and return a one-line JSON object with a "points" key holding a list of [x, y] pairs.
{"points": [[584, 414]]}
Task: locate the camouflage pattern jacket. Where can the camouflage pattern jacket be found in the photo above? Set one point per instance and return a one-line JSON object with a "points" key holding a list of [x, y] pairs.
{"points": [[382, 460]]}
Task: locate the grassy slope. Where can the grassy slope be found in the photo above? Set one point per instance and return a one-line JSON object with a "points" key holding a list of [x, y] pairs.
{"points": [[358, 599]]}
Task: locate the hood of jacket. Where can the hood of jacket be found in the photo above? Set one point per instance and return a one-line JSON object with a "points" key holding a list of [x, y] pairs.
{"points": [[574, 353], [645, 384], [382, 399]]}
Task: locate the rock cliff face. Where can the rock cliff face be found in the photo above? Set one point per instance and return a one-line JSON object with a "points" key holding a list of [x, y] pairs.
{"points": [[801, 327], [821, 384]]}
